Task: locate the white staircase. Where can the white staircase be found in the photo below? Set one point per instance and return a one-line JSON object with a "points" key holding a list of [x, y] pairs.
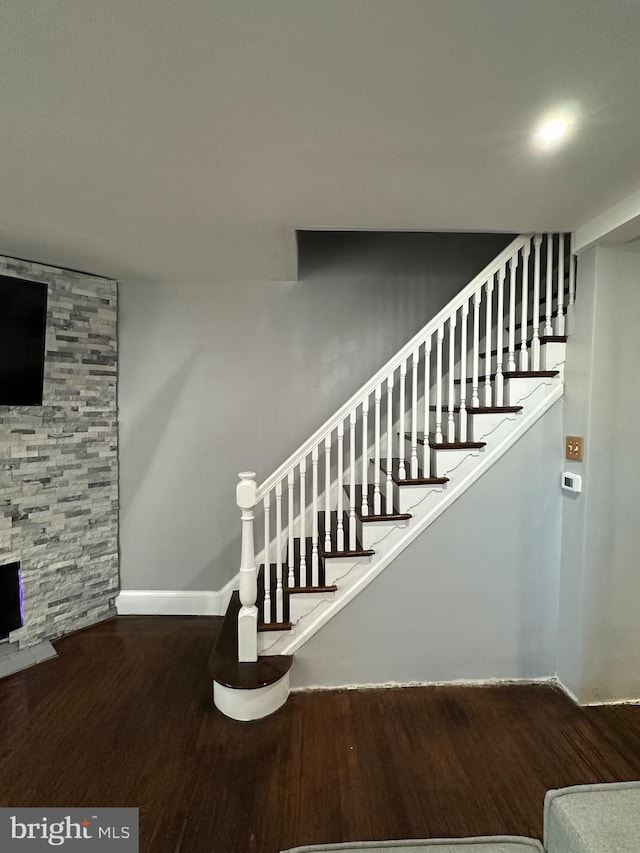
{"points": [[391, 460]]}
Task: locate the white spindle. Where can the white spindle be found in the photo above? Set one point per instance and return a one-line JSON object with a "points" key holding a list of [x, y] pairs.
{"points": [[463, 372], [438, 429], [402, 471], [389, 484], [475, 369], [499, 384], [279, 557], [426, 455], [364, 509], [560, 324], [314, 517], [524, 352], [513, 268], [451, 423], [377, 498], [414, 414], [291, 578], [352, 481], [487, 344], [340, 513], [535, 337], [572, 289], [548, 304], [303, 522], [248, 615], [327, 492], [267, 559]]}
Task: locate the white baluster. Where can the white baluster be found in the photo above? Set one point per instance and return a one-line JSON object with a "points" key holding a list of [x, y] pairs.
{"points": [[560, 324], [463, 372], [327, 492], [248, 615], [267, 559], [402, 471], [352, 481], [314, 519], [513, 268], [524, 352], [414, 415], [535, 337], [291, 578], [340, 513], [499, 385], [279, 559], [572, 289], [487, 344], [426, 455], [389, 485], [364, 508], [377, 497], [438, 431], [475, 380], [451, 423], [303, 523], [548, 305]]}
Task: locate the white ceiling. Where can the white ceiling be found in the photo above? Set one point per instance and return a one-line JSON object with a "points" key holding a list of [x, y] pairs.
{"points": [[157, 139]]}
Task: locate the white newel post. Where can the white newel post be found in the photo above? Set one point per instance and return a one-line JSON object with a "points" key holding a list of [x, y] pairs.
{"points": [[248, 616]]}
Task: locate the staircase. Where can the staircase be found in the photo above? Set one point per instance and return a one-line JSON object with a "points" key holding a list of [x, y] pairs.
{"points": [[424, 428]]}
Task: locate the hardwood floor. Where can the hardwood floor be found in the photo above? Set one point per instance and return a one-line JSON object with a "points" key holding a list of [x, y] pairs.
{"points": [[124, 717]]}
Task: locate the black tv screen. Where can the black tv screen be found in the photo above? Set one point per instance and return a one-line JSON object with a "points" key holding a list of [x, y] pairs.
{"points": [[23, 315]]}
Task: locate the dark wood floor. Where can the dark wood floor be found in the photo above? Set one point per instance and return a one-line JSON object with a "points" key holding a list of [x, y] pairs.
{"points": [[124, 718]]}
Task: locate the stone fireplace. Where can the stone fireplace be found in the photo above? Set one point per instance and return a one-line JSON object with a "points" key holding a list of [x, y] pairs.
{"points": [[59, 462]]}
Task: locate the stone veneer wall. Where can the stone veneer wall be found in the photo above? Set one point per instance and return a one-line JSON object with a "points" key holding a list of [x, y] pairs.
{"points": [[59, 462]]}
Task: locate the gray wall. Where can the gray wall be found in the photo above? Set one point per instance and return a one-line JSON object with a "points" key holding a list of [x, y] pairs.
{"points": [[600, 591], [474, 597], [215, 379], [59, 471]]}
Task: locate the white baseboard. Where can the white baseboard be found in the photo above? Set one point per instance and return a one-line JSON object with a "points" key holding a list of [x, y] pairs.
{"points": [[459, 682], [171, 602]]}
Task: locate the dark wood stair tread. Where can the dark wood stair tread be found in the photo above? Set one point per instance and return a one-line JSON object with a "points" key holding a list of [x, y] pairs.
{"points": [[494, 410], [544, 339], [292, 590], [457, 445], [274, 626], [450, 445], [516, 374], [409, 481], [224, 666], [477, 410]]}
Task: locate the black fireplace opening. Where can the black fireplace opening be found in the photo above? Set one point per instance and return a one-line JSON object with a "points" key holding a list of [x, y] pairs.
{"points": [[10, 599]]}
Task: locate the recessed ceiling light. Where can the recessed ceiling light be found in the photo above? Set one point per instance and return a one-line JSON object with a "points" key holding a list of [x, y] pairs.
{"points": [[556, 128]]}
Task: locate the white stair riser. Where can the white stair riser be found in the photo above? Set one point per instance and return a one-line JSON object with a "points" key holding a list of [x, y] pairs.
{"points": [[393, 531], [267, 639], [446, 462], [484, 425], [302, 603], [553, 355], [373, 532], [520, 389], [254, 704], [408, 497], [336, 568]]}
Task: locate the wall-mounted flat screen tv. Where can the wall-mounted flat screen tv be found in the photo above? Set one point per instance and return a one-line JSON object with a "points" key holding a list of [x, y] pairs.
{"points": [[23, 317]]}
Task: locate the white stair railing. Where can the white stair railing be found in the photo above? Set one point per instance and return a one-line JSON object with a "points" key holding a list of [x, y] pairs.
{"points": [[447, 363]]}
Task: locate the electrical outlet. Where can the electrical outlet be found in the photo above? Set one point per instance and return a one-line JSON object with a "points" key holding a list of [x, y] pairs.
{"points": [[574, 447]]}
